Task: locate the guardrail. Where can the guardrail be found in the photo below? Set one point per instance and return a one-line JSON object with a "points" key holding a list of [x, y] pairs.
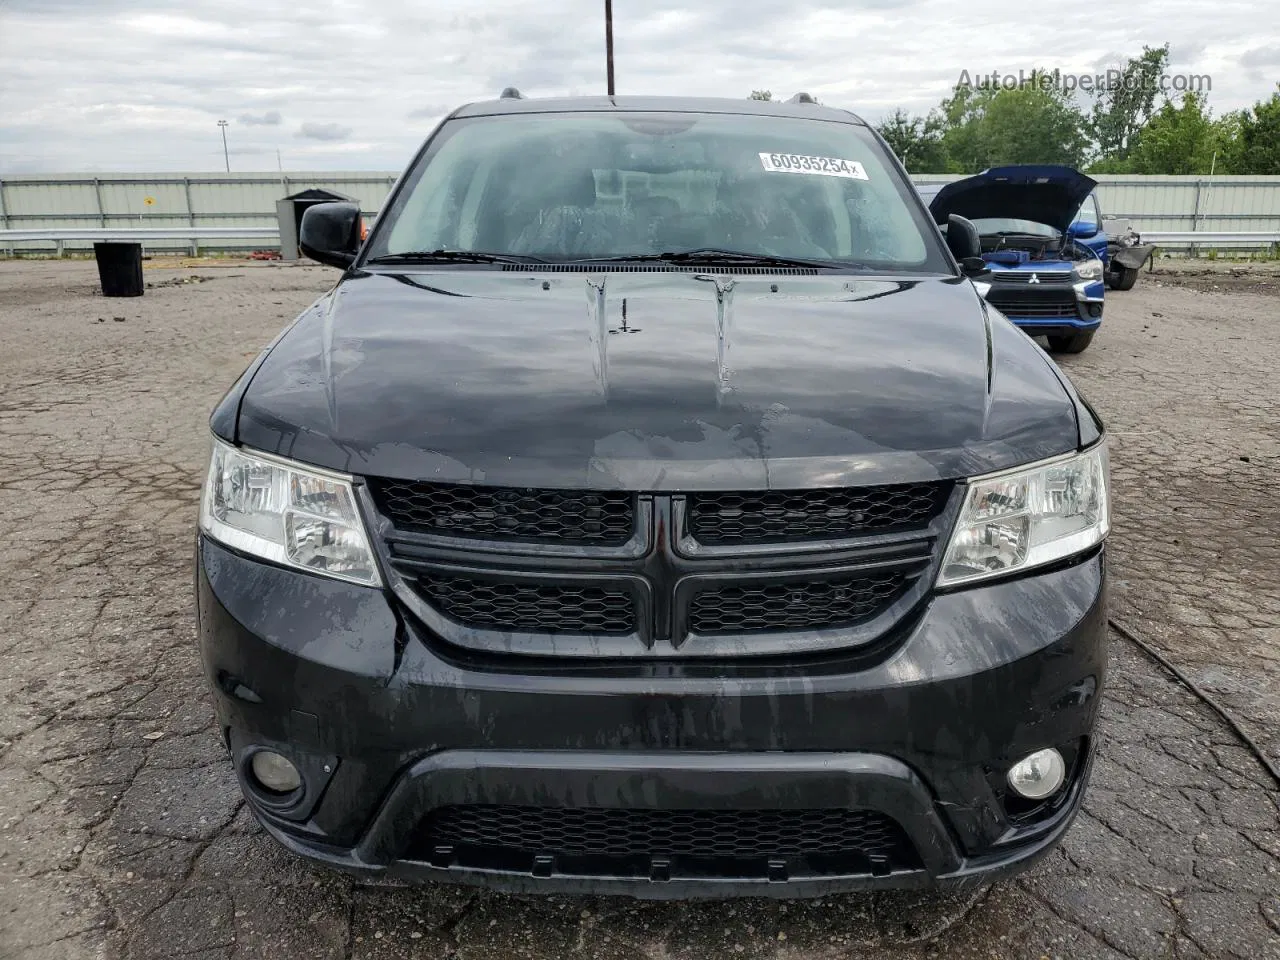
{"points": [[1254, 238], [58, 235]]}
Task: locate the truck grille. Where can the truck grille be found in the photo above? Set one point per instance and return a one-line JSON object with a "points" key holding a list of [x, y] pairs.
{"points": [[807, 605], [625, 841], [797, 515], [506, 513], [533, 608]]}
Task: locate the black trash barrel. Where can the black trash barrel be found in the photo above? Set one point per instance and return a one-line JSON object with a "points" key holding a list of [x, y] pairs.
{"points": [[119, 268]]}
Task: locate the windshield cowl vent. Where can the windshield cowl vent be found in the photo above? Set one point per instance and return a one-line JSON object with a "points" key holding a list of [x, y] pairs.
{"points": [[724, 268]]}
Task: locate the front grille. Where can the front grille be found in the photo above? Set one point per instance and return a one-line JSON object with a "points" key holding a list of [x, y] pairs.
{"points": [[777, 516], [1024, 277], [528, 607], [507, 513], [1023, 303], [805, 605], [622, 841]]}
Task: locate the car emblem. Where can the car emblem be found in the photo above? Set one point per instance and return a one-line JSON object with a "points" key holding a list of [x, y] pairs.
{"points": [[1034, 279]]}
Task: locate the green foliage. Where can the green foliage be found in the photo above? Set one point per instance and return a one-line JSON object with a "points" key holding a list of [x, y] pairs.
{"points": [[1032, 123], [917, 141], [1258, 142], [761, 95], [1182, 139], [1121, 110]]}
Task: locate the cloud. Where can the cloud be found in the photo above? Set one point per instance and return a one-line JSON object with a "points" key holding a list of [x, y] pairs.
{"points": [[271, 118], [330, 132], [1261, 57], [429, 112], [131, 84]]}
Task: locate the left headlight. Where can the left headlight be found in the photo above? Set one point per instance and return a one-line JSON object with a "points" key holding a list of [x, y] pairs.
{"points": [[1088, 270], [1028, 517], [289, 514]]}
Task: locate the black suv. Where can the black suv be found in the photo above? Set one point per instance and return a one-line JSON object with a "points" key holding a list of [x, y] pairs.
{"points": [[654, 507]]}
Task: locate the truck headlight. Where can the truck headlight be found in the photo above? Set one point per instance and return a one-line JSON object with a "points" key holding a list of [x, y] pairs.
{"points": [[1088, 270], [1028, 517], [289, 514]]}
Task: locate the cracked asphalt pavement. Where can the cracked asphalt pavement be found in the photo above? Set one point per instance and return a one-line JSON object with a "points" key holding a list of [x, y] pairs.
{"points": [[122, 833]]}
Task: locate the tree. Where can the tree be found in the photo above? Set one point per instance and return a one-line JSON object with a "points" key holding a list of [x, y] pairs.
{"points": [[916, 140], [761, 95], [1034, 122], [1123, 107], [1182, 139], [1259, 138]]}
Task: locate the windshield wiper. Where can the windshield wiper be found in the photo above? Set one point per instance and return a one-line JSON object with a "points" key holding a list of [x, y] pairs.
{"points": [[452, 256], [711, 256]]}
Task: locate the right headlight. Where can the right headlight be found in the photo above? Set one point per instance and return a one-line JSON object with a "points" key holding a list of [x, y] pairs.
{"points": [[288, 513], [1028, 517]]}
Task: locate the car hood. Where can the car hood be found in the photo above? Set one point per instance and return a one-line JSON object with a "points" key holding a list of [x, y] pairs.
{"points": [[1042, 193], [655, 381]]}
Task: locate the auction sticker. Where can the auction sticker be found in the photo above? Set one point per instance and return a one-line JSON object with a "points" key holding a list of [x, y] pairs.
{"points": [[815, 166]]}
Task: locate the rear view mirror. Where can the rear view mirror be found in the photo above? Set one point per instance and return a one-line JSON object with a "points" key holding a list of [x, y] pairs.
{"points": [[330, 233], [965, 244], [1083, 229]]}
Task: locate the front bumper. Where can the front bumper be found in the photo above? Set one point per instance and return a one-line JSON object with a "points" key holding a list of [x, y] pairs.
{"points": [[390, 726], [1078, 307]]}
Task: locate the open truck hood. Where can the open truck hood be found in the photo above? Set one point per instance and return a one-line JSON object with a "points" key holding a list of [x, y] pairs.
{"points": [[1043, 193]]}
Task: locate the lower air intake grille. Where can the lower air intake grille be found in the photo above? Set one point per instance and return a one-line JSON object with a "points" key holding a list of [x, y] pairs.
{"points": [[1020, 304], [604, 838], [530, 608], [805, 605], [776, 516], [506, 513]]}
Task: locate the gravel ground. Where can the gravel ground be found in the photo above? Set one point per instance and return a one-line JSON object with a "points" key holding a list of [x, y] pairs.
{"points": [[121, 830]]}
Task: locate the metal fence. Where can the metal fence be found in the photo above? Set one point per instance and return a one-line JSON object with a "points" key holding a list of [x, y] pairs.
{"points": [[160, 201], [1213, 205]]}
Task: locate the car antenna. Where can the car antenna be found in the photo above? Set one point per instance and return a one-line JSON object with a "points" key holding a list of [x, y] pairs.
{"points": [[510, 93], [803, 97]]}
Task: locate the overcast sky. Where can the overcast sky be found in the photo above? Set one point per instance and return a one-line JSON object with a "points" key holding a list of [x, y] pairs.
{"points": [[109, 85]]}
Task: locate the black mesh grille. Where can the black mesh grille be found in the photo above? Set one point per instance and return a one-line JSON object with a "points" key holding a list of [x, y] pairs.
{"points": [[1020, 303], [531, 608], [505, 513], [585, 831], [807, 605], [782, 515]]}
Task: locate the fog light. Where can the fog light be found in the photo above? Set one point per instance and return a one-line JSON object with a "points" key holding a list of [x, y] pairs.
{"points": [[1038, 775], [276, 773], [1095, 310]]}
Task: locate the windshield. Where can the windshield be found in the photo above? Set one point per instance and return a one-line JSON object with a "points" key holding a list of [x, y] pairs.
{"points": [[580, 186], [991, 226]]}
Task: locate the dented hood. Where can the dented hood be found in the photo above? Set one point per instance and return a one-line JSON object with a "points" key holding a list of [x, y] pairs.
{"points": [[655, 381], [1041, 193]]}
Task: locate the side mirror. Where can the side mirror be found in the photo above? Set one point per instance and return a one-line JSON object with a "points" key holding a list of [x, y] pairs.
{"points": [[965, 245], [1083, 230], [330, 233]]}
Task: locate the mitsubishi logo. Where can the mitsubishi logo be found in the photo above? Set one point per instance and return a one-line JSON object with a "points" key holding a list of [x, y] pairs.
{"points": [[1035, 278]]}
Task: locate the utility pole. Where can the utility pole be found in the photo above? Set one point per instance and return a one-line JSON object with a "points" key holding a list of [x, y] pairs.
{"points": [[608, 40], [225, 156]]}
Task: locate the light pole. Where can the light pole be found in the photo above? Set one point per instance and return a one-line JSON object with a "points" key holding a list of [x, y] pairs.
{"points": [[608, 40], [225, 156]]}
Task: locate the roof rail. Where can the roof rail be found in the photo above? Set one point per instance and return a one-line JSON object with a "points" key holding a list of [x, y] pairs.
{"points": [[510, 93], [802, 97]]}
